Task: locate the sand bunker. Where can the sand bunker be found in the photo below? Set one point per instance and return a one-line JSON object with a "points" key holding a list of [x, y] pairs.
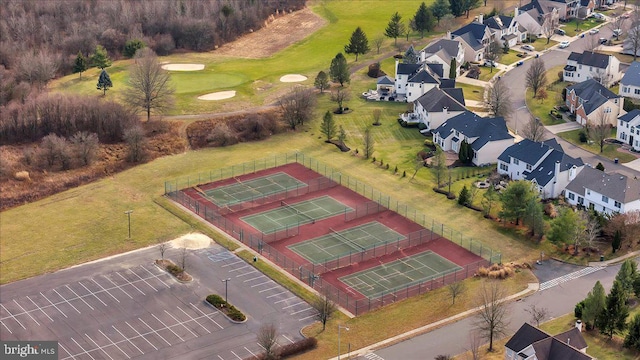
{"points": [[183, 67], [220, 95], [293, 78], [191, 241]]}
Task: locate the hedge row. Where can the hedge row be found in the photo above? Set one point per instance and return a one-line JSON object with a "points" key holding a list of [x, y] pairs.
{"points": [[231, 311]]}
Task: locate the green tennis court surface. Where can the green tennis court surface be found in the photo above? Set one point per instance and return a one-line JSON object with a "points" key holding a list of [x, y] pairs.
{"points": [[404, 272], [300, 213], [255, 188], [344, 242]]}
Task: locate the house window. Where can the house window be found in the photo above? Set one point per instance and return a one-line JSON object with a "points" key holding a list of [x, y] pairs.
{"points": [[580, 200], [571, 196], [528, 167], [625, 89], [636, 91], [608, 110], [588, 192], [516, 161], [617, 204], [504, 167], [605, 199], [590, 68]]}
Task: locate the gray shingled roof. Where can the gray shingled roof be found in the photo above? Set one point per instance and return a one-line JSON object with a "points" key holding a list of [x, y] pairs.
{"points": [[385, 80], [423, 77], [454, 92], [592, 93], [526, 150], [552, 348], [589, 58], [437, 69], [436, 100], [544, 172], [474, 126], [614, 186], [630, 115], [533, 5], [632, 76], [573, 337], [448, 84], [450, 47], [472, 34], [408, 69], [525, 336], [549, 347]]}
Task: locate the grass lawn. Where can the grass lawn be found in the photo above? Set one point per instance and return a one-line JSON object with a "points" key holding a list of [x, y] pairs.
{"points": [[486, 74], [624, 58], [510, 57], [471, 92], [573, 27], [541, 109], [609, 151], [541, 44]]}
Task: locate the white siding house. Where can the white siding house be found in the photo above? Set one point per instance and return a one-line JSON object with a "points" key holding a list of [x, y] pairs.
{"points": [[591, 65], [630, 82], [606, 193], [628, 129]]}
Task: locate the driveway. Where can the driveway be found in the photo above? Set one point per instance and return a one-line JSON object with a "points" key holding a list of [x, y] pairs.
{"points": [[554, 129], [634, 165]]}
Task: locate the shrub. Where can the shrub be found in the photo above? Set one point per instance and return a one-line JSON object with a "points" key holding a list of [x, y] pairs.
{"points": [[577, 311], [395, 171], [215, 300], [428, 142], [583, 136], [131, 46], [298, 347], [235, 314], [375, 71], [174, 269], [550, 210]]}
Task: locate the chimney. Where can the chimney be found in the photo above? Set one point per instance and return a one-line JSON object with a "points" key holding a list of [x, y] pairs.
{"points": [[449, 35], [481, 18], [579, 325], [515, 12], [568, 341], [445, 110]]}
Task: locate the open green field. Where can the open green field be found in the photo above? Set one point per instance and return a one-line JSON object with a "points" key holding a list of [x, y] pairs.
{"points": [[575, 27], [510, 57], [609, 150], [541, 109]]}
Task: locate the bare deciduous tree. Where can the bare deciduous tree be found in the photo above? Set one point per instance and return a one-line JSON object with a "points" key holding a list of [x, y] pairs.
{"points": [[325, 308], [340, 96], [267, 339], [550, 27], [632, 43], [86, 146], [492, 320], [149, 86], [537, 313], [536, 77], [297, 106], [492, 52], [163, 248], [447, 22], [591, 231], [599, 127], [616, 24], [38, 68], [475, 341], [136, 143], [368, 143], [377, 42], [498, 99], [533, 129], [455, 290], [183, 256]]}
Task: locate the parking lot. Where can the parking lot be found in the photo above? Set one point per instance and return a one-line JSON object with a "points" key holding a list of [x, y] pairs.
{"points": [[126, 307]]}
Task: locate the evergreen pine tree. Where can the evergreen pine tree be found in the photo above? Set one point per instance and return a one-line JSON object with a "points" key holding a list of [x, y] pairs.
{"points": [[411, 56], [440, 8], [322, 81], [358, 44], [395, 28], [80, 65], [452, 69], [100, 58], [339, 71], [457, 7], [613, 319], [328, 126], [594, 304], [533, 217], [617, 241], [423, 20], [463, 197], [632, 340], [626, 275], [104, 82]]}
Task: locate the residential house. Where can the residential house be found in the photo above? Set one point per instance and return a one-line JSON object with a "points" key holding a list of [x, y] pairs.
{"points": [[535, 17], [435, 107], [414, 80], [506, 29], [606, 193], [628, 130], [488, 137], [590, 101], [531, 343], [543, 163], [441, 52], [474, 37], [586, 8], [592, 65], [630, 82], [567, 9]]}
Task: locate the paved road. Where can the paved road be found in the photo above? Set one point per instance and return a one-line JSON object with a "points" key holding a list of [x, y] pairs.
{"points": [[559, 300], [551, 59]]}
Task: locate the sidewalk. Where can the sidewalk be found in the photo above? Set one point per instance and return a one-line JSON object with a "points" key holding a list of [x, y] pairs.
{"points": [[532, 287], [615, 260], [554, 129]]}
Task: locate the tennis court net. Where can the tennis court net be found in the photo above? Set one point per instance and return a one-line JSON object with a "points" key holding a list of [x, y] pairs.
{"points": [[298, 212], [346, 240]]}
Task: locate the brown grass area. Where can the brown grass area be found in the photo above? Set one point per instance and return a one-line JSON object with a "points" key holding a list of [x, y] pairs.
{"points": [[164, 139], [278, 33]]}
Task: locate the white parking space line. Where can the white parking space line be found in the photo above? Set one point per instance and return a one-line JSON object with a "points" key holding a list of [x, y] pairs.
{"points": [[262, 283], [155, 332], [168, 327], [285, 336], [299, 311], [26, 312], [220, 357], [83, 350], [92, 293], [308, 317], [280, 293], [247, 273], [130, 283], [142, 336], [39, 308], [194, 320], [292, 305], [54, 305], [79, 297], [289, 298], [240, 268], [116, 286], [250, 352], [65, 350], [105, 290], [182, 323], [64, 299], [127, 339], [114, 344], [155, 276], [233, 263], [268, 289], [205, 315], [13, 317], [98, 346], [261, 276], [239, 358], [145, 281]]}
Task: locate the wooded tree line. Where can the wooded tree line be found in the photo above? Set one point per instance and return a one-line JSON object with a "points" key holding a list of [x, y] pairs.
{"points": [[61, 29], [63, 116]]}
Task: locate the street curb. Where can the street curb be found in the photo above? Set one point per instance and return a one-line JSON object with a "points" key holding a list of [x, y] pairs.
{"points": [[615, 261], [531, 287]]}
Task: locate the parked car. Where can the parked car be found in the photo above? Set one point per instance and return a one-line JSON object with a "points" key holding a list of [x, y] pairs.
{"points": [[594, 31], [528, 47], [617, 32], [598, 16], [519, 63], [603, 41], [560, 32], [489, 63], [564, 44]]}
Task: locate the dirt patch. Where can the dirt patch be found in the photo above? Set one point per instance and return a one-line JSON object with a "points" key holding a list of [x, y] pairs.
{"points": [[191, 241], [278, 33]]}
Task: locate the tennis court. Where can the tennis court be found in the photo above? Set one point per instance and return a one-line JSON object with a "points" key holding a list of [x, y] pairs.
{"points": [[299, 213], [340, 243], [400, 273], [243, 191]]}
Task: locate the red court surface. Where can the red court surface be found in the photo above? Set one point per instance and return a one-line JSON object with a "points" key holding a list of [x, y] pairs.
{"points": [[325, 277]]}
